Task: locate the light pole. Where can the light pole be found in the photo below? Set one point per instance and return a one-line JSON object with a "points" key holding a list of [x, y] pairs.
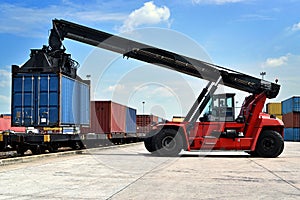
{"points": [[143, 107], [262, 75]]}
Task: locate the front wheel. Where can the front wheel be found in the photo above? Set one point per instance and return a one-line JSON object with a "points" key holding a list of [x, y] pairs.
{"points": [[168, 142], [270, 144], [148, 141]]}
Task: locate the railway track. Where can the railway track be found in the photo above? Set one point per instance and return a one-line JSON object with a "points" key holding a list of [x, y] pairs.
{"points": [[14, 154], [8, 155]]}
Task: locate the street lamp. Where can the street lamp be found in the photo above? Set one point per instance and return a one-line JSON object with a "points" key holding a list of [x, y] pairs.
{"points": [[143, 107], [263, 74]]}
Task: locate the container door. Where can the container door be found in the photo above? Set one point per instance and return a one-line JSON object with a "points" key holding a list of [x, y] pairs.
{"points": [[23, 100], [47, 99], [35, 100]]}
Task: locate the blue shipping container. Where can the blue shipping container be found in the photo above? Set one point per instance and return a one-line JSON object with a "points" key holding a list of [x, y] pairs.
{"points": [[130, 126], [291, 105], [292, 134], [49, 100]]}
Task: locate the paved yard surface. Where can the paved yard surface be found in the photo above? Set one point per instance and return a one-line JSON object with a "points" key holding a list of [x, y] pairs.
{"points": [[130, 172]]}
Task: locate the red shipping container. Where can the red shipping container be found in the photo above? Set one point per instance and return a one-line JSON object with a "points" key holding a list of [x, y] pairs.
{"points": [[106, 117], [5, 124], [145, 122], [291, 120]]}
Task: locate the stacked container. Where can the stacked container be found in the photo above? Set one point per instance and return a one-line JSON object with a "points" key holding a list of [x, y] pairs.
{"points": [[275, 109], [291, 118], [145, 122]]}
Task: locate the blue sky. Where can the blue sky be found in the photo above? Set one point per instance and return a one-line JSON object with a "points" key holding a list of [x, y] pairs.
{"points": [[246, 35]]}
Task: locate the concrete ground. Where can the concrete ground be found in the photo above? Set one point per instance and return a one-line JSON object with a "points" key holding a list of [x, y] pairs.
{"points": [[130, 172]]}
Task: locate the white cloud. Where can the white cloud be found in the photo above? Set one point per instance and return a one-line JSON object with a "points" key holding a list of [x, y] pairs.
{"points": [[276, 62], [32, 21], [5, 99], [296, 27], [5, 78], [218, 2], [115, 88], [149, 14], [163, 92]]}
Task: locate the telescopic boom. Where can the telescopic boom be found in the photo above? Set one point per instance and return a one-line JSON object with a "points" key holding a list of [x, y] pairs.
{"points": [[128, 48]]}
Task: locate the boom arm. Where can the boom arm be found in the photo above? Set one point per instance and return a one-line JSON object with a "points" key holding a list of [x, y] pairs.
{"points": [[129, 48]]}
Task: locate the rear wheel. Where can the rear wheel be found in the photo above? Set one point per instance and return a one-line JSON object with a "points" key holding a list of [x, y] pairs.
{"points": [[168, 142], [270, 144]]}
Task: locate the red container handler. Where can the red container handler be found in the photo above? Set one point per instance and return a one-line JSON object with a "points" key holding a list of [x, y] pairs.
{"points": [[291, 120]]}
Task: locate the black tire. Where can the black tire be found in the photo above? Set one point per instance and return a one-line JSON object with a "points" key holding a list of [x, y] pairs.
{"points": [[270, 144], [252, 153], [148, 141], [168, 142]]}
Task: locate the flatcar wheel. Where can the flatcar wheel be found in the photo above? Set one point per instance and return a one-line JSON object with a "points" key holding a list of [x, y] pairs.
{"points": [[53, 148], [20, 150], [77, 145], [37, 150]]}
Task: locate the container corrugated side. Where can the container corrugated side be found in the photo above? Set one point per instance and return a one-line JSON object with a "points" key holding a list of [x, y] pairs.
{"points": [[118, 118], [94, 126], [292, 134], [291, 120], [130, 126], [106, 117], [74, 107], [41, 100], [145, 122], [103, 116], [291, 105], [274, 108]]}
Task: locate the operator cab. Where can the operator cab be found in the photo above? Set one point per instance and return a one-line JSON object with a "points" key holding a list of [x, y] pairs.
{"points": [[220, 108]]}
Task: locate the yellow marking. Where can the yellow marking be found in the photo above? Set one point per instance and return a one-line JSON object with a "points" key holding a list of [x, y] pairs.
{"points": [[1, 138], [52, 128], [47, 138]]}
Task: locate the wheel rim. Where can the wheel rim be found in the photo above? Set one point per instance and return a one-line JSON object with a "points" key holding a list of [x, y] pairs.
{"points": [[169, 143], [268, 144]]}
